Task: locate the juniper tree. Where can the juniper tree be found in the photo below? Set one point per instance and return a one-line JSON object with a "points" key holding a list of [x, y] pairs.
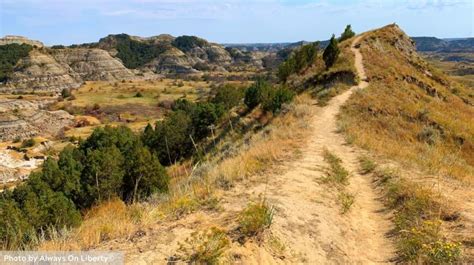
{"points": [[331, 52], [347, 34]]}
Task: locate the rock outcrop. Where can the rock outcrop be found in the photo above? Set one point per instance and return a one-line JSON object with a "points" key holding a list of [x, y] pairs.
{"points": [[165, 54], [92, 64], [9, 39], [40, 72], [21, 119], [52, 70]]}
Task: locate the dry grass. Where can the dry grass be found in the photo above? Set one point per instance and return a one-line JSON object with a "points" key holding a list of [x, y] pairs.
{"points": [[410, 112], [109, 220], [418, 218], [120, 93], [195, 187]]}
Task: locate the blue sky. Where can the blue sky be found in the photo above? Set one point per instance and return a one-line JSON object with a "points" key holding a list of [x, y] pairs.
{"points": [[230, 21]]}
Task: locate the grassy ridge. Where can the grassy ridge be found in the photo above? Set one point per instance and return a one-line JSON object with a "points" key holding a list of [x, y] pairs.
{"points": [[410, 111]]}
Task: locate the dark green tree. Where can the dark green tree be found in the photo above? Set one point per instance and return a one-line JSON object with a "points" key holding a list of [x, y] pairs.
{"points": [[331, 52], [172, 139], [184, 105], [70, 164], [148, 135], [102, 175], [228, 96], [204, 116], [121, 137], [14, 227], [347, 34], [256, 93], [145, 175]]}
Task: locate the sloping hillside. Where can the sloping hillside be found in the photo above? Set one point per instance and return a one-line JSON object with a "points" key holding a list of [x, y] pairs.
{"points": [[167, 54], [411, 111], [41, 69]]}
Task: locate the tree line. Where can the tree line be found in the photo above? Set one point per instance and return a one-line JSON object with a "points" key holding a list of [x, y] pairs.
{"points": [[306, 55], [115, 162]]}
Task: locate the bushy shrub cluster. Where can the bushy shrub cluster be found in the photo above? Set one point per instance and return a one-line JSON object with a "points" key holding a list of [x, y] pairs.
{"points": [[228, 96], [347, 34], [172, 138], [270, 97], [10, 54], [112, 162], [298, 60]]}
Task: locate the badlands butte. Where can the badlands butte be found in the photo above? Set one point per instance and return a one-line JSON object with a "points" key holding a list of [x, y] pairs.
{"points": [[176, 150]]}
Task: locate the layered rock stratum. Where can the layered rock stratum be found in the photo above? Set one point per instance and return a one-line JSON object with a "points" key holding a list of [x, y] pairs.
{"points": [[52, 70]]}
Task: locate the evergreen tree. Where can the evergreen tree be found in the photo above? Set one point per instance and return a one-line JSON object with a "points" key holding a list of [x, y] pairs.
{"points": [[347, 34], [255, 94], [172, 137], [205, 115], [14, 227], [145, 175], [148, 135], [102, 175], [70, 164], [331, 52]]}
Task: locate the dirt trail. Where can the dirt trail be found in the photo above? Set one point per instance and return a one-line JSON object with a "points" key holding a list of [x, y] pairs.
{"points": [[308, 218]]}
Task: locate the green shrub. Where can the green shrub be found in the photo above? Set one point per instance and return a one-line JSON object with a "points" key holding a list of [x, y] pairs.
{"points": [[274, 100], [425, 244], [417, 221], [28, 143], [255, 218], [65, 93], [228, 96], [204, 116], [346, 200], [256, 93], [204, 247], [138, 95], [366, 165], [144, 175], [14, 227]]}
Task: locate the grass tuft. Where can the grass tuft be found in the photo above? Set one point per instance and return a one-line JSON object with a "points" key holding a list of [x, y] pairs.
{"points": [[255, 218], [346, 200], [205, 247], [366, 165], [418, 221], [337, 173]]}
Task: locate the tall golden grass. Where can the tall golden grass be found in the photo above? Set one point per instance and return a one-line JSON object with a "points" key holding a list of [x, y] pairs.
{"points": [[410, 112]]}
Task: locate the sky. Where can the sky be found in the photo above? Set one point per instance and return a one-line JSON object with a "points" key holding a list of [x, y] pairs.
{"points": [[230, 21]]}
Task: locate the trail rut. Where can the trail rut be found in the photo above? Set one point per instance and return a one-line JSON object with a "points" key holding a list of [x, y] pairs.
{"points": [[308, 219]]}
